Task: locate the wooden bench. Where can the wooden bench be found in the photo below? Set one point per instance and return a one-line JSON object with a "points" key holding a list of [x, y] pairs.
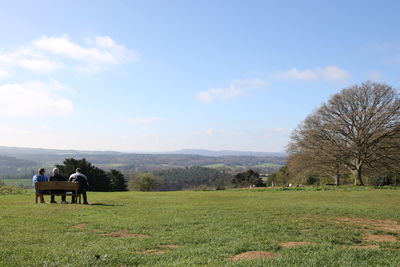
{"points": [[57, 185]]}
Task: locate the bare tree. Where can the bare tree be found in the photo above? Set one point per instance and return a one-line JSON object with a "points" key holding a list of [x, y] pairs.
{"points": [[319, 161], [357, 127]]}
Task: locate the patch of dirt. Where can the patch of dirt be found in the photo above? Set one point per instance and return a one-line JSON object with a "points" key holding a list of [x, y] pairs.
{"points": [[126, 233], [366, 247], [81, 226], [386, 225], [380, 238], [294, 244], [169, 246], [251, 255], [151, 251]]}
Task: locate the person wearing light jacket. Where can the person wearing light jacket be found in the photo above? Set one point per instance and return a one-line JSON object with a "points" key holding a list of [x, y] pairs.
{"points": [[83, 184]]}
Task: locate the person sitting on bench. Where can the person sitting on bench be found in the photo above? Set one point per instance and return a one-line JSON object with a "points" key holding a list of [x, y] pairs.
{"points": [[58, 177], [83, 184], [40, 177]]}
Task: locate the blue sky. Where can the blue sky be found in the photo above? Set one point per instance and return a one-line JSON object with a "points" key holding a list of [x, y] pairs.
{"points": [[166, 75]]}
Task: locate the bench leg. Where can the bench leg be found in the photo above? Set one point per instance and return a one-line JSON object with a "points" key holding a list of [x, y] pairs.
{"points": [[75, 197]]}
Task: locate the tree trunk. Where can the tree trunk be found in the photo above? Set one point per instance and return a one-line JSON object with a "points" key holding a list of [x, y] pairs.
{"points": [[337, 179], [358, 178]]}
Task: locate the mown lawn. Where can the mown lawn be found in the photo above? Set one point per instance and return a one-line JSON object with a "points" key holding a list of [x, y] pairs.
{"points": [[191, 228], [18, 182]]}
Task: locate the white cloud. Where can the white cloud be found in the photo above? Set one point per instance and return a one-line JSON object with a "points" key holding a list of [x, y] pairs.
{"points": [[143, 120], [102, 53], [328, 73], [334, 74], [3, 73], [235, 89], [296, 75], [34, 98], [28, 59], [48, 54]]}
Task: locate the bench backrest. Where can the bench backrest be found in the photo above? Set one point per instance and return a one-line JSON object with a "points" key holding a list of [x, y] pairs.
{"points": [[56, 185]]}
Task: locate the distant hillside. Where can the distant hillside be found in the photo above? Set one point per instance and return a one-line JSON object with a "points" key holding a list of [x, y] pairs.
{"points": [[5, 150], [21, 162], [14, 167], [219, 153]]}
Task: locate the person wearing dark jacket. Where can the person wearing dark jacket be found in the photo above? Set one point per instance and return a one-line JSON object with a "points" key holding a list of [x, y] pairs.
{"points": [[83, 184], [58, 177]]}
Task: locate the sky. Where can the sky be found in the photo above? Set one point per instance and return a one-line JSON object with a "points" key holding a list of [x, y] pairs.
{"points": [[159, 76]]}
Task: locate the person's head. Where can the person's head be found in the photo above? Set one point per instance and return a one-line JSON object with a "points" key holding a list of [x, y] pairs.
{"points": [[41, 171], [56, 171], [78, 170]]}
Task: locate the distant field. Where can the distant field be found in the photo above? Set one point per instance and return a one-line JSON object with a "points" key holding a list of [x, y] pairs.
{"points": [[221, 165], [110, 165], [217, 165], [268, 165], [18, 182], [212, 228], [264, 165]]}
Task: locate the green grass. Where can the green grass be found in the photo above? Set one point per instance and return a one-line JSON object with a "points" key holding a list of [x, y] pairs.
{"points": [[268, 165], [208, 226], [18, 182]]}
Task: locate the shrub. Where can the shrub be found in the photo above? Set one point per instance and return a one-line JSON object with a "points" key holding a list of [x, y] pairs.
{"points": [[7, 190]]}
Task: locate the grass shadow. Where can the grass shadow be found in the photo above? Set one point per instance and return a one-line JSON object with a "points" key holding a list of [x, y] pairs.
{"points": [[106, 205]]}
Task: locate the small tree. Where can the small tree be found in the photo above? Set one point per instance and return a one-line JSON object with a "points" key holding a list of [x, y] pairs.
{"points": [[282, 176], [247, 178], [145, 181], [306, 165], [117, 181]]}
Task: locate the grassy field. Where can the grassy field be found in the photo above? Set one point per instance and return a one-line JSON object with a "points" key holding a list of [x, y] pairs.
{"points": [[189, 228], [26, 183]]}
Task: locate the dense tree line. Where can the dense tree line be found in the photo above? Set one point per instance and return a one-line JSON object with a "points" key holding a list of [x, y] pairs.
{"points": [[355, 135], [99, 180], [12, 167], [180, 179], [248, 178], [189, 177]]}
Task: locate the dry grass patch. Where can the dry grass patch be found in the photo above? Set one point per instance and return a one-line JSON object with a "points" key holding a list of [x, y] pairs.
{"points": [[126, 233], [81, 226], [380, 238], [295, 244], [251, 255], [386, 225]]}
